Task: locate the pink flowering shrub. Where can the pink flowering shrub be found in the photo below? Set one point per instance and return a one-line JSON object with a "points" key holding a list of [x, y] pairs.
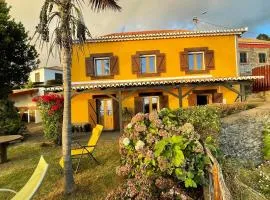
{"points": [[162, 155], [51, 109]]}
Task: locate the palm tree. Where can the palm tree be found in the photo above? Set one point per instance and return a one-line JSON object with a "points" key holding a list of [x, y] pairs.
{"points": [[69, 26]]}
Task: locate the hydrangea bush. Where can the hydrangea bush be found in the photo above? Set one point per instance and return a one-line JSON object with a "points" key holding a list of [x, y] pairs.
{"points": [[162, 154], [51, 109]]}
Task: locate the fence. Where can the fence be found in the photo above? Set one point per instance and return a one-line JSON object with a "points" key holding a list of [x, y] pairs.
{"points": [[261, 84]]}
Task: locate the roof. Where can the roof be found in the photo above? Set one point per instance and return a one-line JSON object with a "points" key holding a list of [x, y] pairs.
{"points": [[253, 43], [146, 32], [163, 34], [153, 82], [23, 91], [55, 68]]}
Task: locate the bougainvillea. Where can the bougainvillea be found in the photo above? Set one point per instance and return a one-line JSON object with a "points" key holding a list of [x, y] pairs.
{"points": [[51, 109], [162, 155]]}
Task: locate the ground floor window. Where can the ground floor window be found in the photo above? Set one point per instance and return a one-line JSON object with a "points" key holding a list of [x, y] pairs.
{"points": [[202, 100], [150, 104]]}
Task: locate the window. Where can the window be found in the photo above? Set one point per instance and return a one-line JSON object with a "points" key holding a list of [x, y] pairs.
{"points": [[196, 61], [58, 76], [102, 66], [148, 64], [262, 58], [243, 57], [37, 77], [150, 103]]}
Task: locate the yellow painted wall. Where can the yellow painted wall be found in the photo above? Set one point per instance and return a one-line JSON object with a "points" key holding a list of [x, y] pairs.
{"points": [[225, 65], [223, 46]]}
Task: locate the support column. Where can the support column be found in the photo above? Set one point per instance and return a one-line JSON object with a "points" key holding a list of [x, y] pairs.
{"points": [[120, 111], [28, 115], [243, 92], [180, 98]]}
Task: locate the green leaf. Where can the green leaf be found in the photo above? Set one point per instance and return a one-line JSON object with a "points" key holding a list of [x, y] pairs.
{"points": [[190, 183], [178, 158], [159, 147], [180, 174], [176, 139]]}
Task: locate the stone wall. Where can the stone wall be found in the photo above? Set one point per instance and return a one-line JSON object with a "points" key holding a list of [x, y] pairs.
{"points": [[253, 59], [241, 134]]}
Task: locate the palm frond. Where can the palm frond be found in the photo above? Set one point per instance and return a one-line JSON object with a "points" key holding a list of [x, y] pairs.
{"points": [[100, 5]]}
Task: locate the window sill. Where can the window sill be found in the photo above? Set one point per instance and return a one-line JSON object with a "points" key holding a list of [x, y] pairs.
{"points": [[148, 74], [197, 71], [102, 77]]}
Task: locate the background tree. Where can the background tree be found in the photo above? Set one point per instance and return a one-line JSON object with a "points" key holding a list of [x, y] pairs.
{"points": [[263, 36], [69, 26], [18, 57]]}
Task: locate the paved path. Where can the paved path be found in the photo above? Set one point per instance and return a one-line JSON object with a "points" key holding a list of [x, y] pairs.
{"points": [[241, 134]]}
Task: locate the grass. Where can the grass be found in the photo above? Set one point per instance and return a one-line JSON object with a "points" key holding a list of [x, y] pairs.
{"points": [[245, 181], [92, 181]]}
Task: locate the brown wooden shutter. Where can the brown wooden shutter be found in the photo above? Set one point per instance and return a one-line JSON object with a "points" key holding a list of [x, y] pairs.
{"points": [[114, 65], [184, 61], [161, 63], [138, 102], [192, 100], [209, 59], [92, 109], [136, 68], [89, 66], [163, 101], [115, 114], [217, 98]]}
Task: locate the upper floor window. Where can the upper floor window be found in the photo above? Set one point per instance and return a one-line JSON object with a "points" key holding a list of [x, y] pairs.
{"points": [[102, 66], [243, 57], [262, 57], [58, 76], [37, 77], [196, 61], [148, 64], [150, 103]]}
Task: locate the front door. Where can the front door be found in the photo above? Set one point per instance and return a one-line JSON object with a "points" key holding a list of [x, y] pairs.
{"points": [[106, 113]]}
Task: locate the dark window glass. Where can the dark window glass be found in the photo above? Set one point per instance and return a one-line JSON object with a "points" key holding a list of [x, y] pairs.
{"points": [[262, 58], [243, 57], [58, 76]]}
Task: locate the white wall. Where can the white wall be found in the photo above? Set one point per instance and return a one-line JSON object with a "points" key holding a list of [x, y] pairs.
{"points": [[45, 74]]}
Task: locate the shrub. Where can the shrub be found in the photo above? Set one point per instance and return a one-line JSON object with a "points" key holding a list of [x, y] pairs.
{"points": [[162, 154], [51, 109], [266, 141], [228, 109], [10, 122]]}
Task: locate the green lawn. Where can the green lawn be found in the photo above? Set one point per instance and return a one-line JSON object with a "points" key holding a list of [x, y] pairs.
{"points": [[93, 181]]}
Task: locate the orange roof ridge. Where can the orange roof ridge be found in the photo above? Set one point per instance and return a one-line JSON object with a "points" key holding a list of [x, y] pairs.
{"points": [[147, 32]]}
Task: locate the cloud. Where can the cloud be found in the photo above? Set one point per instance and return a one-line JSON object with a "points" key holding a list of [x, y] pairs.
{"points": [[159, 14]]}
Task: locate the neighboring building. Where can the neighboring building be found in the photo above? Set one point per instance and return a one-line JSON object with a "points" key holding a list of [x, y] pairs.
{"points": [[150, 70], [23, 97], [45, 74], [252, 53], [26, 107]]}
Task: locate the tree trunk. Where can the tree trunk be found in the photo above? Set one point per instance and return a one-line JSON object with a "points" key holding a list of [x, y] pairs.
{"points": [[66, 51]]}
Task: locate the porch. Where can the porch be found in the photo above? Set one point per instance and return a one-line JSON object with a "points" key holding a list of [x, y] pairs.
{"points": [[180, 92]]}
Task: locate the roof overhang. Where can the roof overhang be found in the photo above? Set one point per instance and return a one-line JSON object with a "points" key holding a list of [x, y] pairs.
{"points": [[150, 82], [164, 35]]}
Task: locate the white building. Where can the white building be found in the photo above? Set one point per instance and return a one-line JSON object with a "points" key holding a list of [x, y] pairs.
{"points": [[22, 98], [45, 74]]}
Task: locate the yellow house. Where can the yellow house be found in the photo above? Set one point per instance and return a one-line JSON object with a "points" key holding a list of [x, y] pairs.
{"points": [[150, 70]]}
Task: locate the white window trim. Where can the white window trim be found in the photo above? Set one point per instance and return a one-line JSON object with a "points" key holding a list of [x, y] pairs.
{"points": [[150, 55], [102, 58], [240, 57], [203, 59]]}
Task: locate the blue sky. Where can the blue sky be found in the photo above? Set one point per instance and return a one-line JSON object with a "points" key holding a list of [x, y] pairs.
{"points": [[160, 14]]}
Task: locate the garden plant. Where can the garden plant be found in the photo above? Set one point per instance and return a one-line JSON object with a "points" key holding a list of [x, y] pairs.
{"points": [[51, 109], [163, 154]]}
